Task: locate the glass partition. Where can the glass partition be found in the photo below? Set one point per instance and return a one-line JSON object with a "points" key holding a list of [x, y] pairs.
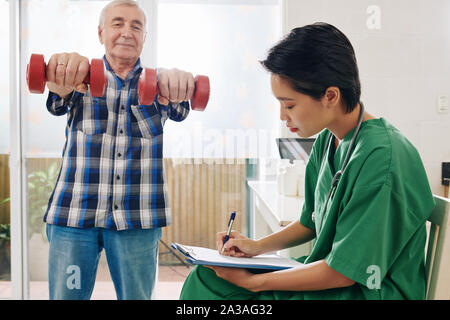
{"points": [[70, 26], [5, 221]]}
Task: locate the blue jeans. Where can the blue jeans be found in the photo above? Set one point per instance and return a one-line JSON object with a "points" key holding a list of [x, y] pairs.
{"points": [[74, 255]]}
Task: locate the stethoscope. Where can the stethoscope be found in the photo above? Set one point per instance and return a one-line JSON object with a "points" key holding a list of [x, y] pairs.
{"points": [[338, 174]]}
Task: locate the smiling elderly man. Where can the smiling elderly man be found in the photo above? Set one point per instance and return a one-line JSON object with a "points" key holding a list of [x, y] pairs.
{"points": [[110, 192]]}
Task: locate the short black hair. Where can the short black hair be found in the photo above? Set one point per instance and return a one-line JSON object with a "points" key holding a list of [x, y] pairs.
{"points": [[314, 58]]}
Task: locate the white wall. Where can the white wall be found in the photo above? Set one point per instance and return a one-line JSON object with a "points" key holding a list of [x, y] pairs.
{"points": [[403, 53]]}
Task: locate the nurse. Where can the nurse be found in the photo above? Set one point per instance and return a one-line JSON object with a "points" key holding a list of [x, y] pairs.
{"points": [[369, 228]]}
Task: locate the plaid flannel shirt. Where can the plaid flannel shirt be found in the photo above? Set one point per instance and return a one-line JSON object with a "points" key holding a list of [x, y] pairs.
{"points": [[112, 173]]}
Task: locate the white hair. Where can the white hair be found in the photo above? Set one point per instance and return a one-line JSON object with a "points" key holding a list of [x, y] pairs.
{"points": [[131, 3]]}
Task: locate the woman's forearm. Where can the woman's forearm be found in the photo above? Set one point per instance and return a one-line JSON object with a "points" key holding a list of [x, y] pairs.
{"points": [[292, 235], [309, 277]]}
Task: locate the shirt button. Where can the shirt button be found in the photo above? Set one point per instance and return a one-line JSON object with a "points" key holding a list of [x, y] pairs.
{"points": [[116, 207], [119, 154], [118, 177], [121, 131]]}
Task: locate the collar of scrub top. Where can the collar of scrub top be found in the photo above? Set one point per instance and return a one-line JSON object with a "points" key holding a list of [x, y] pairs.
{"points": [[339, 173]]}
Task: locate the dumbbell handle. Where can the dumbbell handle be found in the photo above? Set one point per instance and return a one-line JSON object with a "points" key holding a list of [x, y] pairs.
{"points": [[37, 75], [148, 89]]}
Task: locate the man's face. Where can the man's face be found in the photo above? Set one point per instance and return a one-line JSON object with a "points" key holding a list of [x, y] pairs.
{"points": [[123, 33]]}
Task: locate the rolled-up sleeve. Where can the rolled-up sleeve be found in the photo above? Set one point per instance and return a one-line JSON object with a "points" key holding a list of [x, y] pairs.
{"points": [[174, 111], [58, 106]]}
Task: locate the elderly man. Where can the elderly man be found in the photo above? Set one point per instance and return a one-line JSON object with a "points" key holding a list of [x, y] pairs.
{"points": [[110, 193]]}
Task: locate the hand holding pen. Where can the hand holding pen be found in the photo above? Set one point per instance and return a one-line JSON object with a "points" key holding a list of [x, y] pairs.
{"points": [[232, 243]]}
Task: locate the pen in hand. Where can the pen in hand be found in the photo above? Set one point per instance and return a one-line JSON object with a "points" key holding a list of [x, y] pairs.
{"points": [[230, 225]]}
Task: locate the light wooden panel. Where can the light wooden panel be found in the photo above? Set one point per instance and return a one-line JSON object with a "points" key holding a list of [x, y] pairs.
{"points": [[4, 188], [203, 193]]}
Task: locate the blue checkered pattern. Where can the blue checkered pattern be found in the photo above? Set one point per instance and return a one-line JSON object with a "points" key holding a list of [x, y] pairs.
{"points": [[112, 173]]}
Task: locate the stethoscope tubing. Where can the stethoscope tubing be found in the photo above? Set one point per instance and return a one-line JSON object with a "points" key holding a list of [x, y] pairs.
{"points": [[338, 174]]}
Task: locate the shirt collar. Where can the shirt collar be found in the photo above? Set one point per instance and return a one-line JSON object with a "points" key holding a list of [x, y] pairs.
{"points": [[136, 70]]}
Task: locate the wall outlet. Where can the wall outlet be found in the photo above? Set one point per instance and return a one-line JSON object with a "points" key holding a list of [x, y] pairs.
{"points": [[445, 173], [443, 104]]}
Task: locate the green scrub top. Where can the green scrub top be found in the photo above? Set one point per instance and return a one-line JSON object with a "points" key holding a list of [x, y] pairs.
{"points": [[373, 229]]}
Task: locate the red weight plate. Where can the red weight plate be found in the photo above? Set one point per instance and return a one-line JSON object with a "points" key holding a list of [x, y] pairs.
{"points": [[201, 94], [36, 73], [97, 78], [147, 86]]}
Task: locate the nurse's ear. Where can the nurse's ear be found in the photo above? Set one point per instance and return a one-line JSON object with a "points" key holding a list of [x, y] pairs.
{"points": [[332, 97]]}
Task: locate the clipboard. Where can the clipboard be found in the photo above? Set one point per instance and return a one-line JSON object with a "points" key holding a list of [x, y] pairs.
{"points": [[210, 257]]}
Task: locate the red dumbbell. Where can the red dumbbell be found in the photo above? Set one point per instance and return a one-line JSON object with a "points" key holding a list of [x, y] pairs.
{"points": [[36, 76], [148, 89]]}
